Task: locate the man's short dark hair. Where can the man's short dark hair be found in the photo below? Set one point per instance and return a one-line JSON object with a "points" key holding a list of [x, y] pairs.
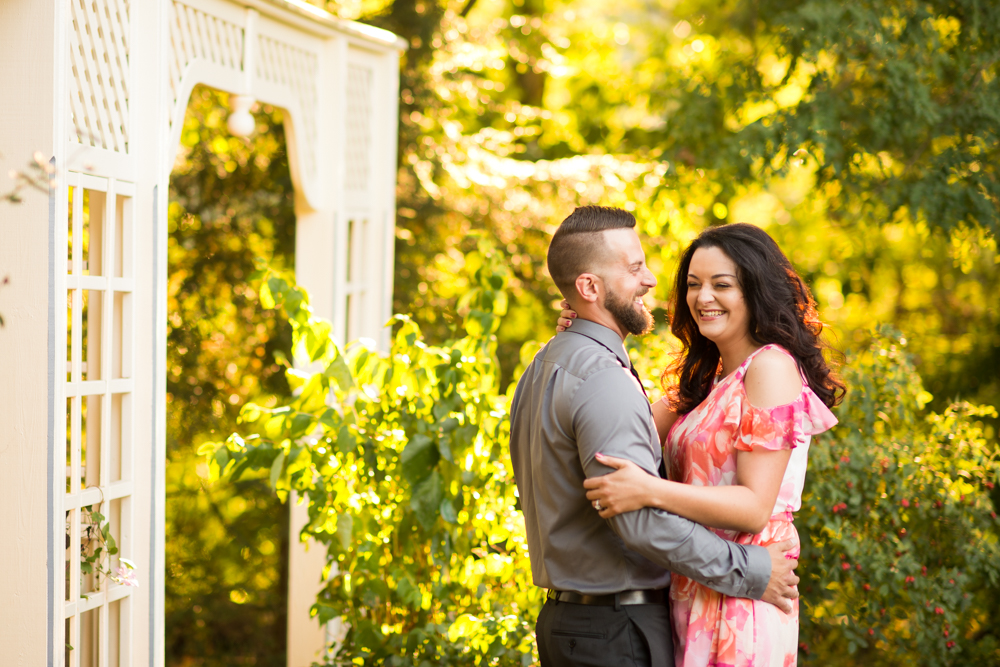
{"points": [[577, 246]]}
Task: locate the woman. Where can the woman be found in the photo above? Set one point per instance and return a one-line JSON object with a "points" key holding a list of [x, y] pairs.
{"points": [[752, 388]]}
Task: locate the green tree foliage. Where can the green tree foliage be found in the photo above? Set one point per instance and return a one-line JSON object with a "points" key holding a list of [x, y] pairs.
{"points": [[694, 113], [896, 101], [226, 549], [404, 462]]}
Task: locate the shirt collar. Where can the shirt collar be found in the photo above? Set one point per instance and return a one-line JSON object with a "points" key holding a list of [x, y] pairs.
{"points": [[603, 335]]}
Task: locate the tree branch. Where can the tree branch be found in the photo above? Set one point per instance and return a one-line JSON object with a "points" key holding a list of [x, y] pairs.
{"points": [[468, 8]]}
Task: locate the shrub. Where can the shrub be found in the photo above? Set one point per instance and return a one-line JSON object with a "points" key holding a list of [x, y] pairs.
{"points": [[899, 534], [403, 460]]}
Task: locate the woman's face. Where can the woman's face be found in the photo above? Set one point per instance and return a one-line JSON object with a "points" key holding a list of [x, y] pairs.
{"points": [[715, 299]]}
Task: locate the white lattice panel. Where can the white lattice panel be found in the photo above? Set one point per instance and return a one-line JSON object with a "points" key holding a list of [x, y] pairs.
{"points": [[283, 64], [357, 165], [99, 81], [99, 386], [196, 34]]}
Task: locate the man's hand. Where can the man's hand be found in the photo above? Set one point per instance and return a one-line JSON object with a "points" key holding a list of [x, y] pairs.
{"points": [[781, 588]]}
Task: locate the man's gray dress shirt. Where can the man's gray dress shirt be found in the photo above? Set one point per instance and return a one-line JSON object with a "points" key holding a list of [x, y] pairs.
{"points": [[577, 398]]}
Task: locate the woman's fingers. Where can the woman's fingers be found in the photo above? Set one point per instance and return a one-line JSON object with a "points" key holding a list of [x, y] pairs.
{"points": [[565, 318], [613, 461]]}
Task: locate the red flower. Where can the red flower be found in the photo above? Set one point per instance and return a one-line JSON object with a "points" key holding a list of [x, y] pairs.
{"points": [[845, 565], [923, 571], [871, 632], [910, 580], [938, 610], [946, 633], [906, 503], [845, 459], [867, 587], [950, 644]]}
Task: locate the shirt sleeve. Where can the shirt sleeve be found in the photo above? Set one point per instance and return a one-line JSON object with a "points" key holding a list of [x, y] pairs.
{"points": [[612, 417]]}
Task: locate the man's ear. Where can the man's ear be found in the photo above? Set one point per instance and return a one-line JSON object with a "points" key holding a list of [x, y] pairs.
{"points": [[589, 286]]}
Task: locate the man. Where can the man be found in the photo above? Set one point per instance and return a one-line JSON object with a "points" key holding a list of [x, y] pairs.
{"points": [[607, 579]]}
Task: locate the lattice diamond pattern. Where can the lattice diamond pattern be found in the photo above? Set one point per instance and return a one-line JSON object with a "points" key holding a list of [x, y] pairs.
{"points": [[282, 63], [357, 166], [99, 86], [195, 34]]}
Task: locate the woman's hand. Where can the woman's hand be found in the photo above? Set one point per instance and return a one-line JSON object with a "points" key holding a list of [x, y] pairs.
{"points": [[624, 490], [566, 317]]}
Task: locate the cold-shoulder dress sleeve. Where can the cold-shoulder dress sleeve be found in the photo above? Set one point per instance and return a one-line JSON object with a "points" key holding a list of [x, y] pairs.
{"points": [[781, 427]]}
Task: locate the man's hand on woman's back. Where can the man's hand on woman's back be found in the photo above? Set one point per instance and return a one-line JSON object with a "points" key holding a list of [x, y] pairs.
{"points": [[782, 588]]}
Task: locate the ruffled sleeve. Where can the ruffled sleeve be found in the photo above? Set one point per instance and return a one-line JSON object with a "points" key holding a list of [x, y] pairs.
{"points": [[780, 427]]}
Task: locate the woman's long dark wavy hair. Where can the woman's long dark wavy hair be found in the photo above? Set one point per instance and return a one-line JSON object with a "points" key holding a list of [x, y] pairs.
{"points": [[781, 309]]}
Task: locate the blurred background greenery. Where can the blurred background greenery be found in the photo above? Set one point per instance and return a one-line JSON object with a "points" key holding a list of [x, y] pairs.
{"points": [[862, 136]]}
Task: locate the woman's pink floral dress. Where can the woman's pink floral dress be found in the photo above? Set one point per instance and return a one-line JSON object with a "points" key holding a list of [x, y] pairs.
{"points": [[711, 628]]}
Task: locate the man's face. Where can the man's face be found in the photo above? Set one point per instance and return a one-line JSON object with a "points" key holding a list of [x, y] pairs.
{"points": [[626, 279]]}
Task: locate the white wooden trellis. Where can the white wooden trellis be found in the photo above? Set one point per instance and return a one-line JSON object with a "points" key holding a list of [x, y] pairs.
{"points": [[99, 406], [101, 87]]}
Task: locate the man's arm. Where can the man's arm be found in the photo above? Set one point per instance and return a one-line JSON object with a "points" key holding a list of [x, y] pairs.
{"points": [[612, 417]]}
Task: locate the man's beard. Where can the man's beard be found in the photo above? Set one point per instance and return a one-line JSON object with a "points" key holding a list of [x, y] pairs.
{"points": [[635, 322]]}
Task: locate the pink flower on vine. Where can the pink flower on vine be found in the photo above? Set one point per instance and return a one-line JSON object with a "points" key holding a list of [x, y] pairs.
{"points": [[125, 574]]}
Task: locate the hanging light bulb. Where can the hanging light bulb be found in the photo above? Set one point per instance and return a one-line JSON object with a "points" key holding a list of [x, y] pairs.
{"points": [[241, 122]]}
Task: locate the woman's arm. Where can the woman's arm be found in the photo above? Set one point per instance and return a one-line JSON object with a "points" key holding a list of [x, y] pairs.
{"points": [[664, 418], [745, 506]]}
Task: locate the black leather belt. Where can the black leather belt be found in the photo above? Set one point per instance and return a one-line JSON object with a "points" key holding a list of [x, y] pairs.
{"points": [[611, 599]]}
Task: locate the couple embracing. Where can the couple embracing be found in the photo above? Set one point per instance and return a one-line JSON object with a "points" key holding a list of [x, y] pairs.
{"points": [[664, 532]]}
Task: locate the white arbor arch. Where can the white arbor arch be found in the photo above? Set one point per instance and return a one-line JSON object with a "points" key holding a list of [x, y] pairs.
{"points": [[101, 87]]}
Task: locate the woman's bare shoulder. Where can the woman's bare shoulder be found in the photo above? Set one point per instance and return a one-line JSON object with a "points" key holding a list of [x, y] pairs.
{"points": [[772, 379]]}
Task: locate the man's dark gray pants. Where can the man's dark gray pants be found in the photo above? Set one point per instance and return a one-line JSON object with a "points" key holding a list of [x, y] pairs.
{"points": [[577, 635]]}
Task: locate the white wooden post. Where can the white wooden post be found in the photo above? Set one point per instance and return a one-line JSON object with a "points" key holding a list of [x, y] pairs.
{"points": [[28, 434]]}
